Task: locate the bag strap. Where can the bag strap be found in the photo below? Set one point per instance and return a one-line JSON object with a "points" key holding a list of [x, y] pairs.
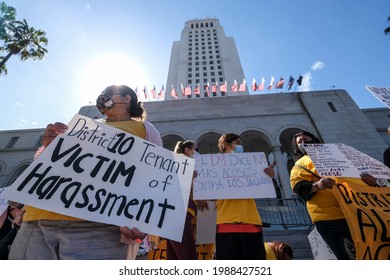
{"points": [[311, 172]]}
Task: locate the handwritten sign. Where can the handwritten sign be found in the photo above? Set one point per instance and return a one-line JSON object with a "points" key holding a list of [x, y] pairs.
{"points": [[383, 94], [340, 160], [367, 210], [99, 173], [3, 201], [319, 248], [232, 176]]}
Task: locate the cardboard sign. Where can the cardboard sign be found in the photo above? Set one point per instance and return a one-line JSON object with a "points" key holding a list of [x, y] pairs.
{"points": [[99, 173], [383, 94], [206, 224], [3, 201], [340, 160], [232, 176], [367, 210], [319, 248]]}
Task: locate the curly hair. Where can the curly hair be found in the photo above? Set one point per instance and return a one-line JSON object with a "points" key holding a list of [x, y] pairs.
{"points": [[294, 145]]}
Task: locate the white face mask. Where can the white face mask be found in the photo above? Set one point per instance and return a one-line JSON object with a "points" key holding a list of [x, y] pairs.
{"points": [[302, 148], [239, 149]]}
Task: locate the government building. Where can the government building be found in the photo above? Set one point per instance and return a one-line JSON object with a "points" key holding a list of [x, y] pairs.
{"points": [[265, 122]]}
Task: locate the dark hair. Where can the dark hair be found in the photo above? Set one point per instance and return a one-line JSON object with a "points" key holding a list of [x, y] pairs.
{"points": [[294, 144], [283, 251], [182, 145], [225, 140], [136, 107]]}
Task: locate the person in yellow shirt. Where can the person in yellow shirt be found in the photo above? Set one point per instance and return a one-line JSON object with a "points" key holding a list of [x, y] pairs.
{"points": [[46, 235], [321, 203], [276, 250], [239, 227]]}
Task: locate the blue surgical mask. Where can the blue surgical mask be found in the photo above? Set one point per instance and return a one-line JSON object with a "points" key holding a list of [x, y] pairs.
{"points": [[239, 149]]}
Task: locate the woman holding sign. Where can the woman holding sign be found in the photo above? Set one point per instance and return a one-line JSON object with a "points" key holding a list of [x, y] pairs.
{"points": [[47, 235], [321, 202], [239, 226]]}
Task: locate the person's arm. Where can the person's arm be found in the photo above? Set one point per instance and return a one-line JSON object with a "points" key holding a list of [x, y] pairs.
{"points": [[306, 190]]}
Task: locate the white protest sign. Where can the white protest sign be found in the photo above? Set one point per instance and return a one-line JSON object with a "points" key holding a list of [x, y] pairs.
{"points": [[340, 160], [383, 94], [232, 176], [319, 248], [3, 201], [99, 173], [206, 221]]}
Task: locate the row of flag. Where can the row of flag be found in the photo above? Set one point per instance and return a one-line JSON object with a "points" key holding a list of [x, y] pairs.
{"points": [[223, 88]]}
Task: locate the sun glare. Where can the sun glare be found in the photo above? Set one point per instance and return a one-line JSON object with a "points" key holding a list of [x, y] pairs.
{"points": [[110, 69]]}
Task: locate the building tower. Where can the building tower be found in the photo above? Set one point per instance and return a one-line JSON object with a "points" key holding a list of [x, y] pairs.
{"points": [[204, 57]]}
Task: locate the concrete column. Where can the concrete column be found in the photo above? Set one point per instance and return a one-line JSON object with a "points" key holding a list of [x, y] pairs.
{"points": [[284, 177]]}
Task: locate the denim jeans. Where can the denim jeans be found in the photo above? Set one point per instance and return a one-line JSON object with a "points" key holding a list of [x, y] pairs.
{"points": [[338, 237]]}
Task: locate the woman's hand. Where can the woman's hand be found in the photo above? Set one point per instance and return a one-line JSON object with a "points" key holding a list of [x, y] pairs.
{"points": [[202, 204], [51, 132], [368, 179], [324, 183], [270, 170], [133, 233]]}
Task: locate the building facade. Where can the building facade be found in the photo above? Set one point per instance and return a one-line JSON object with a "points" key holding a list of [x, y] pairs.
{"points": [[265, 122], [204, 57]]}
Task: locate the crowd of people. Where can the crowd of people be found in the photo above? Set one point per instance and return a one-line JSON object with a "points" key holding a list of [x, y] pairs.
{"points": [[47, 235]]}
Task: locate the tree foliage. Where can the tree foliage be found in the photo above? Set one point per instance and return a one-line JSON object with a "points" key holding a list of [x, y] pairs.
{"points": [[18, 38]]}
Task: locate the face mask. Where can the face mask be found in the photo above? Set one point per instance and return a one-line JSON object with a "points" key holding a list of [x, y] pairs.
{"points": [[239, 149], [302, 148]]}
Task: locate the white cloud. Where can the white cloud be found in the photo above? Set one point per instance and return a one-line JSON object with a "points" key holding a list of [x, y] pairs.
{"points": [[20, 104], [35, 123], [306, 82], [87, 7], [23, 120], [318, 65]]}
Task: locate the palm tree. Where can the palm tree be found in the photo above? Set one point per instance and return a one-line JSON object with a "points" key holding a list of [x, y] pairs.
{"points": [[24, 41], [387, 30], [7, 16]]}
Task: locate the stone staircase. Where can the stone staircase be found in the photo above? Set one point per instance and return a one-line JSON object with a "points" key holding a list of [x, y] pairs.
{"points": [[296, 238]]}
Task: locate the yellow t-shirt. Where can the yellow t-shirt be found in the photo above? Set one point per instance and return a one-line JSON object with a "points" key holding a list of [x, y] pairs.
{"points": [[134, 127], [269, 252], [237, 211], [324, 205]]}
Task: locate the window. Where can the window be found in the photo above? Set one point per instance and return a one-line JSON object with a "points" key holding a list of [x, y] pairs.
{"points": [[220, 73], [189, 82], [212, 74], [196, 68], [189, 75], [204, 68], [189, 69], [213, 80], [332, 107], [221, 79], [211, 67], [210, 57], [197, 75], [197, 81], [204, 57], [204, 74], [205, 81], [197, 63], [219, 67], [11, 143]]}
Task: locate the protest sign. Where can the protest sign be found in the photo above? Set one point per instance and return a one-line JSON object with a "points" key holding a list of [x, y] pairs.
{"points": [[382, 93], [206, 224], [232, 176], [99, 173], [3, 201], [340, 160], [319, 248], [367, 210]]}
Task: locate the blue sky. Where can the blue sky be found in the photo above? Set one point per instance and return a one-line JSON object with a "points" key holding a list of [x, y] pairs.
{"points": [[96, 43]]}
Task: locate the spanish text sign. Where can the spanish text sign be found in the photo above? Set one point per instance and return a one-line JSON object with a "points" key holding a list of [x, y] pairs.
{"points": [[98, 173], [232, 176], [340, 160]]}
